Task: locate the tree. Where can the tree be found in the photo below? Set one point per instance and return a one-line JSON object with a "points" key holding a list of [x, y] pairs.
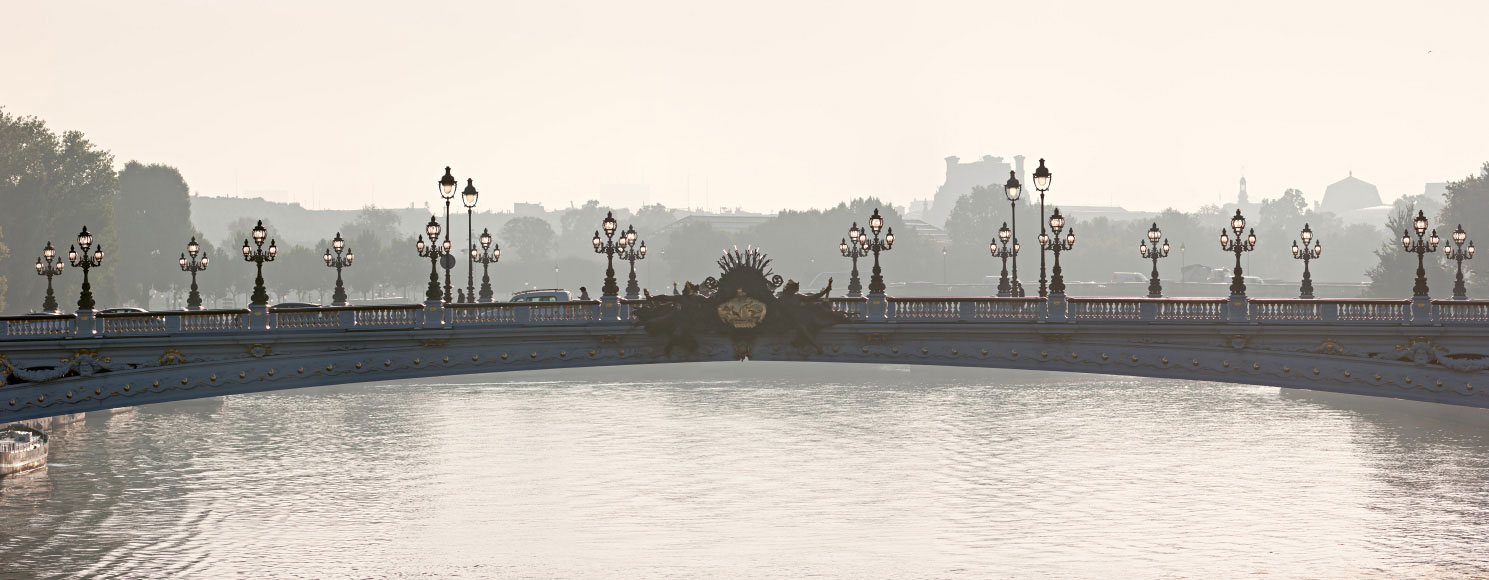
{"points": [[692, 248], [527, 239], [154, 224], [52, 186], [1392, 276], [4, 253], [577, 223], [1467, 202]]}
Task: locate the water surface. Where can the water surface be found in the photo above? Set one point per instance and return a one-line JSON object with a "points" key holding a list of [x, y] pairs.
{"points": [[760, 470]]}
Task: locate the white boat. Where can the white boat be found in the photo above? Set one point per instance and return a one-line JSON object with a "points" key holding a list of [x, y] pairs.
{"points": [[21, 449]]}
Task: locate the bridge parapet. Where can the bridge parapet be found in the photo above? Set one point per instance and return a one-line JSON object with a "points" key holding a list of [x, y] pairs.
{"points": [[1078, 310]]}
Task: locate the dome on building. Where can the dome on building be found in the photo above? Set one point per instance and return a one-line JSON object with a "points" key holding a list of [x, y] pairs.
{"points": [[1349, 194]]}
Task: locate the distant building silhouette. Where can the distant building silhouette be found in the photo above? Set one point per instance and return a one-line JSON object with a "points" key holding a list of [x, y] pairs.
{"points": [[962, 177], [1355, 201], [1243, 203]]}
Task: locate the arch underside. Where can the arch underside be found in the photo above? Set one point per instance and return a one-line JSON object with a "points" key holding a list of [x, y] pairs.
{"points": [[55, 377]]}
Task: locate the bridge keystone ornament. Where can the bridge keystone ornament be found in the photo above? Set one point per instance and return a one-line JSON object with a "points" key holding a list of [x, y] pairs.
{"points": [[741, 304]]}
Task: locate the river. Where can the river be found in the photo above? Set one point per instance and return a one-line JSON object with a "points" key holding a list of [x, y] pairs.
{"points": [[760, 470]]}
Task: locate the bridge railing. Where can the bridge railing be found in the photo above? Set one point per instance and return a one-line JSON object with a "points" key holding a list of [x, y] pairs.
{"points": [[909, 309], [38, 326]]}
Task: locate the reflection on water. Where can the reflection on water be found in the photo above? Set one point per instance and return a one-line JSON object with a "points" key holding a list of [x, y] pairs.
{"points": [[751, 470]]}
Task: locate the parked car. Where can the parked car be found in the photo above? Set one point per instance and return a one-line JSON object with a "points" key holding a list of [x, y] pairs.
{"points": [[294, 305], [546, 295], [1126, 277], [122, 310]]}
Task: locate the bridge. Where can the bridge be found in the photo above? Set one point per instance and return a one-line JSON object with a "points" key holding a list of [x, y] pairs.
{"points": [[1420, 349]]}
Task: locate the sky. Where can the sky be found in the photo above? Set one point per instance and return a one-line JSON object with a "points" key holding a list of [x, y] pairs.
{"points": [[759, 105]]}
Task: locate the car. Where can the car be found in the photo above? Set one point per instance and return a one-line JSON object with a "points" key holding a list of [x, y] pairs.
{"points": [[122, 310], [1126, 277], [294, 305], [544, 295]]}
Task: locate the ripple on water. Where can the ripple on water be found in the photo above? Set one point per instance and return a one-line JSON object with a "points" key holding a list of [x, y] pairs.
{"points": [[760, 470]]}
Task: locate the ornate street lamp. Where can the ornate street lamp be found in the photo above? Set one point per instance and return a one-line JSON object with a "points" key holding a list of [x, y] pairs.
{"points": [[193, 264], [258, 256], [853, 248], [1239, 245], [447, 191], [1420, 246], [49, 265], [469, 197], [1042, 177], [1151, 249], [85, 261], [1459, 254], [1000, 248], [338, 298], [434, 251], [487, 255], [876, 245], [633, 252], [1012, 190], [610, 247], [1056, 245], [1307, 255]]}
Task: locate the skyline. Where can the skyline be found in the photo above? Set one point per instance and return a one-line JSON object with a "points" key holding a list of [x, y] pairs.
{"points": [[782, 106]]}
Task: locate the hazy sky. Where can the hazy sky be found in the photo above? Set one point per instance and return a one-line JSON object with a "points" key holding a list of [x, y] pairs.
{"points": [[760, 104]]}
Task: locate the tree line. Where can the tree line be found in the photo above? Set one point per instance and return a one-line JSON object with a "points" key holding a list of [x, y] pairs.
{"points": [[52, 184]]}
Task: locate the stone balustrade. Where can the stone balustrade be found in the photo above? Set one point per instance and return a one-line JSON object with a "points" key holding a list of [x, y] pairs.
{"points": [[1073, 311]]}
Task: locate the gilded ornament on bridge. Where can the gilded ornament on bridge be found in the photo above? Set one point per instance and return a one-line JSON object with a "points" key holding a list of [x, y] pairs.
{"points": [[741, 311], [1329, 346], [259, 350], [172, 356], [742, 304]]}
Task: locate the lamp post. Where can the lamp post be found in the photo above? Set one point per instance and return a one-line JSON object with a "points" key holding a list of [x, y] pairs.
{"points": [[1056, 245], [85, 261], [1420, 246], [193, 264], [633, 252], [1042, 177], [1012, 190], [434, 251], [1459, 254], [1238, 245], [258, 256], [338, 298], [49, 265], [1307, 255], [853, 247], [446, 191], [1000, 248], [468, 197], [1151, 249], [487, 255], [876, 245], [610, 247]]}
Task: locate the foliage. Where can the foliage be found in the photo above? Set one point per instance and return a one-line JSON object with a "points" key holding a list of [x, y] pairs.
{"points": [[154, 223], [1394, 274], [1467, 203], [529, 239], [53, 185]]}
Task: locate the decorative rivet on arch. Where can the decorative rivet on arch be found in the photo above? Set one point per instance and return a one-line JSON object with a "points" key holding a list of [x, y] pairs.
{"points": [[1346, 374], [1044, 353], [329, 367], [1225, 363], [1256, 366], [358, 365], [1164, 360], [447, 359], [865, 349], [592, 353], [242, 374], [1103, 356], [1013, 352], [1287, 369], [953, 352], [1074, 356], [126, 387], [1315, 372], [504, 356], [924, 350], [388, 363], [417, 361], [1194, 362], [563, 353], [475, 357], [1408, 380], [534, 355], [212, 378], [1134, 358]]}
